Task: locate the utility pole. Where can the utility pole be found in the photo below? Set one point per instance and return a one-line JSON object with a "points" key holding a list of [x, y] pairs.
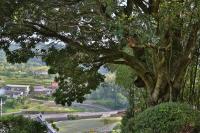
{"points": [[1, 107], [2, 92]]}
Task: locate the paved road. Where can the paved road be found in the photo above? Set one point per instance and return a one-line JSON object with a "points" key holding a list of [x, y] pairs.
{"points": [[83, 115]]}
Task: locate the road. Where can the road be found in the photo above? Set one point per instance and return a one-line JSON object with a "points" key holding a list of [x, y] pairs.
{"points": [[79, 115]]}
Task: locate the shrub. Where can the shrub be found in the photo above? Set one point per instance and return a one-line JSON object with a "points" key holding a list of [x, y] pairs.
{"points": [[25, 106], [128, 115], [19, 124], [109, 120], [72, 117], [166, 118], [117, 128], [55, 127], [11, 103]]}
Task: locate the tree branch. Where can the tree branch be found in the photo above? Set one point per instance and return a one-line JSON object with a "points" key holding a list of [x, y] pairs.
{"points": [[129, 60], [152, 47], [129, 7], [141, 5]]}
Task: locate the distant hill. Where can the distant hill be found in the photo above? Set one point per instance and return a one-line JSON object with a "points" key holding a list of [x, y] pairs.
{"points": [[33, 61], [39, 46]]}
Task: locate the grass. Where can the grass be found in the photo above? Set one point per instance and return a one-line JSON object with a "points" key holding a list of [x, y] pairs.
{"points": [[43, 108], [87, 125], [110, 120]]}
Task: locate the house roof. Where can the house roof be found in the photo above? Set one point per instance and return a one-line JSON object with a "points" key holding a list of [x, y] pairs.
{"points": [[39, 87], [41, 90], [9, 85]]}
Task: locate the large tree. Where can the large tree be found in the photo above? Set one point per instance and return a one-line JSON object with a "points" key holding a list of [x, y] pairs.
{"points": [[155, 38]]}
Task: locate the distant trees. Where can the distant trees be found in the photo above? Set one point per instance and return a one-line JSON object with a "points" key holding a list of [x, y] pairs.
{"points": [[110, 95]]}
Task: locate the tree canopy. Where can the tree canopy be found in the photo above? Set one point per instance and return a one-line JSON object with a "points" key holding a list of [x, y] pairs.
{"points": [[155, 38]]}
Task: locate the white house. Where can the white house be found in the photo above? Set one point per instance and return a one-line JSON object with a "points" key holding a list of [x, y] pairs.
{"points": [[16, 91]]}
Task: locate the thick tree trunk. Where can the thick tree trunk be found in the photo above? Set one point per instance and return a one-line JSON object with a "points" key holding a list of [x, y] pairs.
{"points": [[165, 87], [164, 93]]}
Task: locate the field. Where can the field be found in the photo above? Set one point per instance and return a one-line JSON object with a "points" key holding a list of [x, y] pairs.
{"points": [[29, 80], [88, 125], [34, 106]]}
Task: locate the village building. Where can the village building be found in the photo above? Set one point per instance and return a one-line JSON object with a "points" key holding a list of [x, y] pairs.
{"points": [[15, 91], [41, 90]]}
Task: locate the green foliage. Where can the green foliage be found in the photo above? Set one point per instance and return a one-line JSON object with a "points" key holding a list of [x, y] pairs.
{"points": [[117, 129], [125, 120], [10, 104], [14, 105], [166, 118], [73, 78], [137, 103], [19, 124], [3, 98], [124, 76]]}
